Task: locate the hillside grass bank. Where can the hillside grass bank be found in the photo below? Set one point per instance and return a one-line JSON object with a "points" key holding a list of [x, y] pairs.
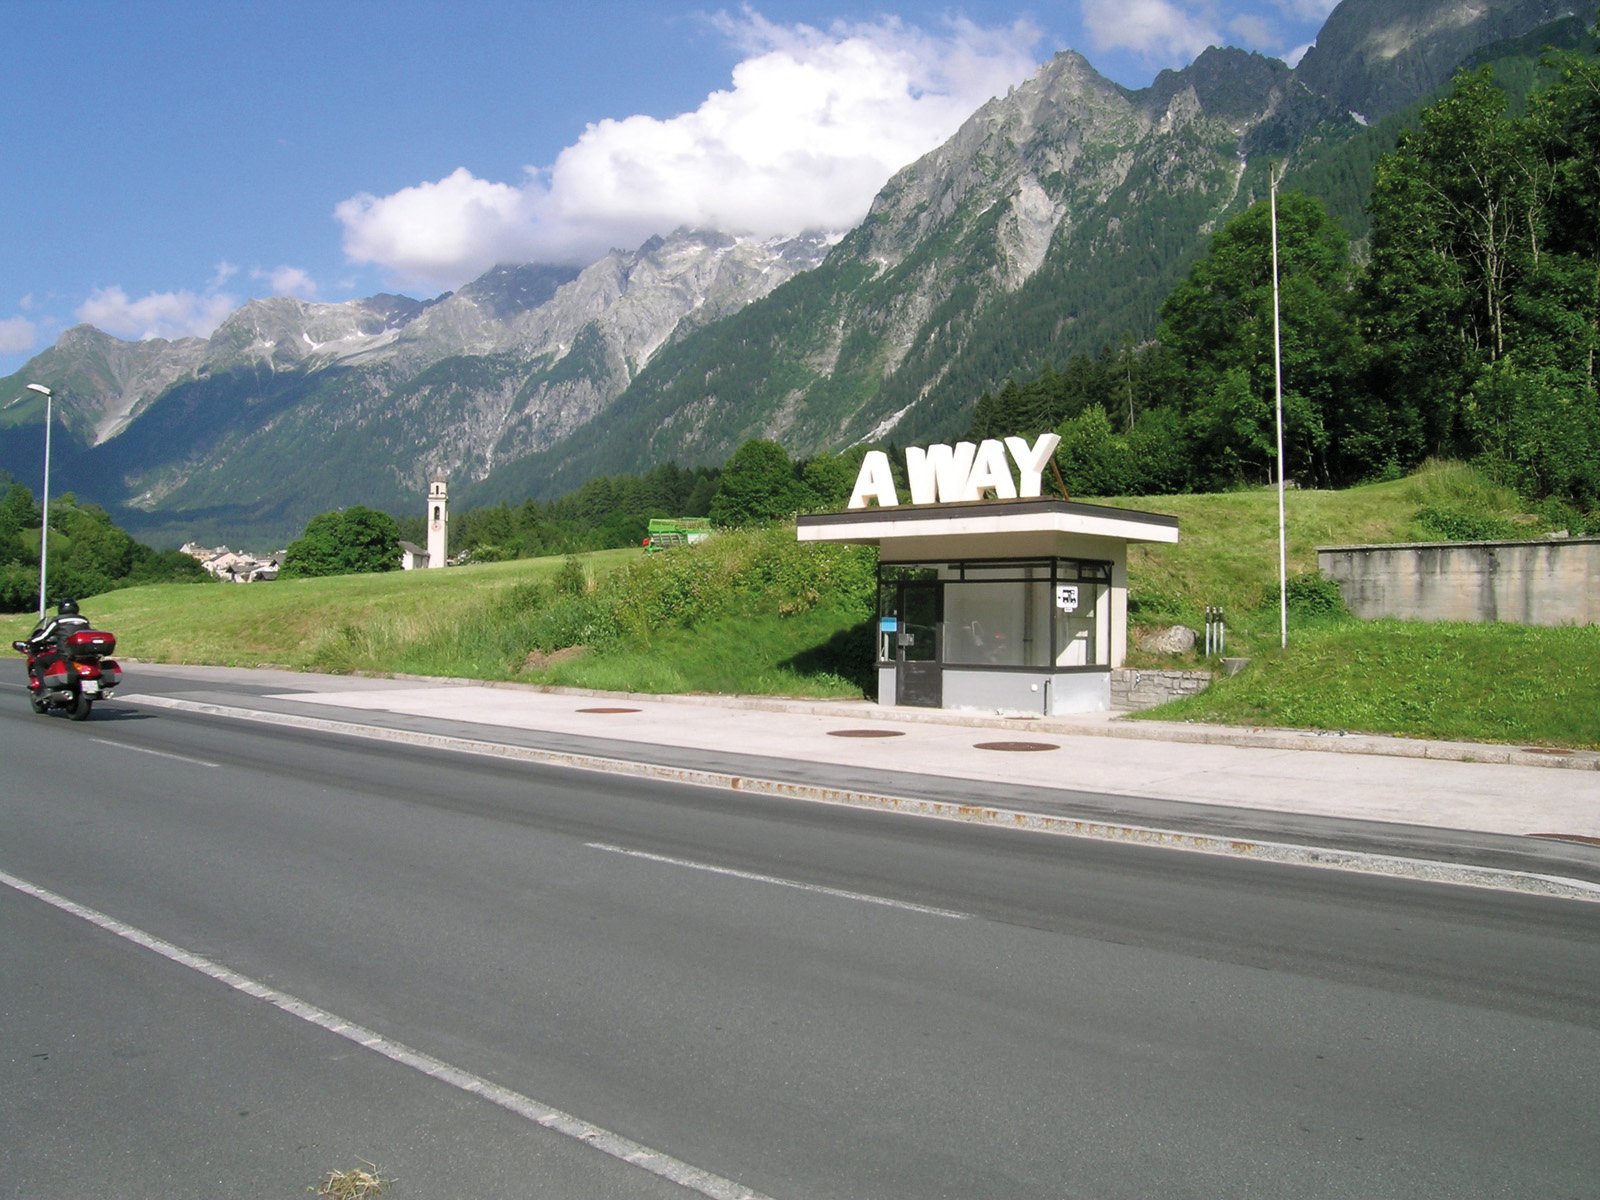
{"points": [[756, 613]]}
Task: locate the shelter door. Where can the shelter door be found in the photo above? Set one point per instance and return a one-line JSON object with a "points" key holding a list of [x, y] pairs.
{"points": [[918, 673]]}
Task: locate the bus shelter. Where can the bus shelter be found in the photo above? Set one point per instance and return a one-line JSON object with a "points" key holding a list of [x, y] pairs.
{"points": [[1009, 606]]}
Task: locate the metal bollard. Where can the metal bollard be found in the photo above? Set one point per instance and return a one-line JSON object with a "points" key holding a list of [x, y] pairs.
{"points": [[1216, 632]]}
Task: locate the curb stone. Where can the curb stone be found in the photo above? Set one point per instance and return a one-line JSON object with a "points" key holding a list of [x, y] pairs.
{"points": [[1424, 870]]}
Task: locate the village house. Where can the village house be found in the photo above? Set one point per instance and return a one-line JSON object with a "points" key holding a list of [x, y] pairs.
{"points": [[233, 567]]}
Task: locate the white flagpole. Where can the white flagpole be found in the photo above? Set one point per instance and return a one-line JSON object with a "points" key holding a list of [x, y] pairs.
{"points": [[1277, 380]]}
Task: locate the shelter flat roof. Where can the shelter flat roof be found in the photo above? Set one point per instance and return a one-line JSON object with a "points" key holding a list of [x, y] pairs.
{"points": [[986, 518]]}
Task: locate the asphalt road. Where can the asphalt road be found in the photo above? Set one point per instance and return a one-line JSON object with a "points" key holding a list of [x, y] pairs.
{"points": [[774, 998]]}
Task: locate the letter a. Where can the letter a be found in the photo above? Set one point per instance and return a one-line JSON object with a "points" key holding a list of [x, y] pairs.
{"points": [[990, 473], [875, 481]]}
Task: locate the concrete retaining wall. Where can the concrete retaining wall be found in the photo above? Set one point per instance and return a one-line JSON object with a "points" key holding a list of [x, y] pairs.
{"points": [[1133, 690], [1552, 582]]}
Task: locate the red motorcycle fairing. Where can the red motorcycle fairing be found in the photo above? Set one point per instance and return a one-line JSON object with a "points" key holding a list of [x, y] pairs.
{"points": [[77, 678]]}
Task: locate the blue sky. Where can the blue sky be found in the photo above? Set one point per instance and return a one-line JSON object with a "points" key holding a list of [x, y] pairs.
{"points": [[166, 161]]}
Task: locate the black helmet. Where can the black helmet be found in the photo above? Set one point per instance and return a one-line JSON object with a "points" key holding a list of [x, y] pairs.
{"points": [[68, 608]]}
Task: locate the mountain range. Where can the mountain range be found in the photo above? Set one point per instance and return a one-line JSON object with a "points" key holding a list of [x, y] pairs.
{"points": [[1055, 220]]}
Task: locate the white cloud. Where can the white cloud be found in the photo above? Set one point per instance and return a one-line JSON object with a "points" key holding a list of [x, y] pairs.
{"points": [[811, 127], [157, 315], [1307, 10], [288, 281], [18, 335], [1252, 30], [445, 232], [1165, 32]]}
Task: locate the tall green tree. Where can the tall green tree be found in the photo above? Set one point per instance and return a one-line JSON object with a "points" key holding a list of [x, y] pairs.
{"points": [[1458, 213], [350, 541], [18, 513], [1094, 459], [758, 485], [1219, 325]]}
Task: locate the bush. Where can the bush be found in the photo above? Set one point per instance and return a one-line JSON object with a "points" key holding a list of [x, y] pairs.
{"points": [[1556, 514], [1445, 523], [760, 572], [573, 578], [350, 541], [1311, 595]]}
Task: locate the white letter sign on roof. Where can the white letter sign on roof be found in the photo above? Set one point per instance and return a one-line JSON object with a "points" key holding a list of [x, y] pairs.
{"points": [[991, 472], [875, 481], [1031, 461], [939, 473], [943, 474]]}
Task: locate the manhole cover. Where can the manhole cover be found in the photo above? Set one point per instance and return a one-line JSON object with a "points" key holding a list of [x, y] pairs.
{"points": [[866, 733], [1553, 751], [1017, 747], [1581, 838], [607, 710]]}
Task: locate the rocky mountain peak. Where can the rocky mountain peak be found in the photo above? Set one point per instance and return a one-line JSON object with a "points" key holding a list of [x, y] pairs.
{"points": [[1377, 56], [1230, 85], [513, 288]]}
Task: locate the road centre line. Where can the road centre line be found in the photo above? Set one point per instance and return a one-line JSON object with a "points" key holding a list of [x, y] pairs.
{"points": [[781, 882], [654, 1161], [198, 762]]}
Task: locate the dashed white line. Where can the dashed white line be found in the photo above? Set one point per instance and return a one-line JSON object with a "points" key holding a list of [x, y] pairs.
{"points": [[547, 1116], [198, 762], [778, 881]]}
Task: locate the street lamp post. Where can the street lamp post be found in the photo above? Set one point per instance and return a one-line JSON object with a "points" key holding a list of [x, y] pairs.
{"points": [[44, 520], [1277, 390]]}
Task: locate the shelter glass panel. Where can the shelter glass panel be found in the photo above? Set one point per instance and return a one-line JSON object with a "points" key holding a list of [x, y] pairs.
{"points": [[1046, 613]]}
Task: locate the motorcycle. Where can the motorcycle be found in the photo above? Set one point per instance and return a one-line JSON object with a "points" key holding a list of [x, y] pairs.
{"points": [[82, 673]]}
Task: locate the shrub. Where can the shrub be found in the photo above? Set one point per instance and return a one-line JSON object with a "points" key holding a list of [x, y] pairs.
{"points": [[1311, 595], [573, 578], [1447, 523], [757, 572], [1556, 514], [349, 541]]}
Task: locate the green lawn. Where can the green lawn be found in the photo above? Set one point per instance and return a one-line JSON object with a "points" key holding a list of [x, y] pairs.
{"points": [[1458, 682], [303, 624], [757, 614]]}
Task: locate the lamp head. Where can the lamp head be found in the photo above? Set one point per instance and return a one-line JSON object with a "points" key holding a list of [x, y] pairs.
{"points": [[40, 388]]}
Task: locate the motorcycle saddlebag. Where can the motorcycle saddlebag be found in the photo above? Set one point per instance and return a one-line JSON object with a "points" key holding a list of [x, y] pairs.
{"points": [[58, 679], [90, 643]]}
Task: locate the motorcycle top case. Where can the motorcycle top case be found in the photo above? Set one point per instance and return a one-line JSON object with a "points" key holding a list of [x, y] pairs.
{"points": [[90, 643]]}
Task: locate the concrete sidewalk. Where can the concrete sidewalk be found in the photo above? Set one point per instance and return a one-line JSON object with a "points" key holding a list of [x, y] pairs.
{"points": [[1200, 787]]}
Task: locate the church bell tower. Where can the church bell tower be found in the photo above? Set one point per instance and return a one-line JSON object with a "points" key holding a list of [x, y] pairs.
{"points": [[438, 523]]}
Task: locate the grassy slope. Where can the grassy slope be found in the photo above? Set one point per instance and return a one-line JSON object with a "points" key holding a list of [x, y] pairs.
{"points": [[1473, 682], [301, 624], [1227, 553]]}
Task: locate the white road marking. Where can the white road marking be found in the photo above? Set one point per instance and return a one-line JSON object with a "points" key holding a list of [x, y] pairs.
{"points": [[199, 762], [780, 882], [676, 1171]]}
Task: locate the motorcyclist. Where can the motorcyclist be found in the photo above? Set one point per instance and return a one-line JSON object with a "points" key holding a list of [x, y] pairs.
{"points": [[48, 641]]}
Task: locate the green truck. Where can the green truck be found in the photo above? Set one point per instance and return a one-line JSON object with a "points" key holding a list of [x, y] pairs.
{"points": [[667, 532]]}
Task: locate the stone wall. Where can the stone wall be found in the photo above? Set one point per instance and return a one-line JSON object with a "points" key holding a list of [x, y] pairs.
{"points": [[1132, 690], [1550, 582]]}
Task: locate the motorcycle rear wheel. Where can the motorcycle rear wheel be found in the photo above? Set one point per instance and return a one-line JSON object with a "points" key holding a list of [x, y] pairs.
{"points": [[79, 711]]}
